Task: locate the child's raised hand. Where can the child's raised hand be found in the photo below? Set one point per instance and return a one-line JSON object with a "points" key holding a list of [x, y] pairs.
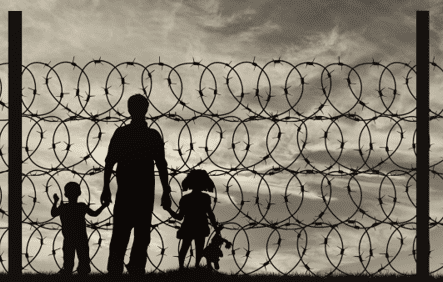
{"points": [[56, 198]]}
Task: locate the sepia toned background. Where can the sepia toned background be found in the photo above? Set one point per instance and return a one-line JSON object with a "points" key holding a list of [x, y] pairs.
{"points": [[176, 32]]}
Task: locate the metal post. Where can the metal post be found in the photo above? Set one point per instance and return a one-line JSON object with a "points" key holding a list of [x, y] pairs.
{"points": [[15, 143], [422, 183]]}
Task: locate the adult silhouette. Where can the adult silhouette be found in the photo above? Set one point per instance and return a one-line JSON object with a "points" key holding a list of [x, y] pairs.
{"points": [[134, 148]]}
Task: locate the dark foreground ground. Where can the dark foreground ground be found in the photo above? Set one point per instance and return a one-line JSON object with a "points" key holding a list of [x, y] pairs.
{"points": [[205, 275]]}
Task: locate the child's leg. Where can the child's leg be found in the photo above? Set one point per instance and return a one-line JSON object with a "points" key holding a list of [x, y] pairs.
{"points": [[182, 254], [68, 255], [208, 263], [199, 243], [83, 257]]}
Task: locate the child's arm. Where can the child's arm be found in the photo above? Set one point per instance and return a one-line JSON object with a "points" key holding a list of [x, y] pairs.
{"points": [[178, 216], [212, 218], [55, 211], [211, 214], [98, 211]]}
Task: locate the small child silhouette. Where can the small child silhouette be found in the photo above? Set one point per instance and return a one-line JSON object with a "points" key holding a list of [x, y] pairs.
{"points": [[194, 207], [212, 252], [72, 217]]}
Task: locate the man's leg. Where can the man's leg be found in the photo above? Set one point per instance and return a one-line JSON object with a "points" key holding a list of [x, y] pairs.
{"points": [[119, 241], [142, 238]]}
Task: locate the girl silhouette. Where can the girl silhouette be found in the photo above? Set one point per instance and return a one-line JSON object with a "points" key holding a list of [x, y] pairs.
{"points": [[195, 207]]}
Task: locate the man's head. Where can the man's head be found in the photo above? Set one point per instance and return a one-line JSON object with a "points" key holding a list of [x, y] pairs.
{"points": [[72, 190], [138, 106]]}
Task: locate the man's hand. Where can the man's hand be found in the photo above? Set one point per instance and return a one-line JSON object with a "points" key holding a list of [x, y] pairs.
{"points": [[105, 198], [166, 201], [56, 198]]}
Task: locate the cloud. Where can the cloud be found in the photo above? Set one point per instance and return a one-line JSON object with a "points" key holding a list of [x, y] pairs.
{"points": [[253, 33], [213, 17], [39, 5], [326, 47]]}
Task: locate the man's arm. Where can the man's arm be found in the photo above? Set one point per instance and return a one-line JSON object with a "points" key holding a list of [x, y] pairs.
{"points": [[162, 166], [163, 172], [110, 161], [108, 172], [106, 198]]}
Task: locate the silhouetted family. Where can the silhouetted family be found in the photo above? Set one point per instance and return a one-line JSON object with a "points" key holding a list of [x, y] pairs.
{"points": [[135, 148]]}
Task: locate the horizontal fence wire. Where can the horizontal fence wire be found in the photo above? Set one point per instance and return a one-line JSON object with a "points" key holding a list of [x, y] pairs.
{"points": [[290, 161]]}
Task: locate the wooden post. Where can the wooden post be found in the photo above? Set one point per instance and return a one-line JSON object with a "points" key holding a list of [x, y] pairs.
{"points": [[422, 183], [15, 143]]}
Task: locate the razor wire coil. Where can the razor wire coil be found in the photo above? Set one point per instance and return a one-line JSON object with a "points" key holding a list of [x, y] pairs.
{"points": [[289, 116]]}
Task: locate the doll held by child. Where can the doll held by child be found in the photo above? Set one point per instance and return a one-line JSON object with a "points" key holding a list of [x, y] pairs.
{"points": [[213, 251]]}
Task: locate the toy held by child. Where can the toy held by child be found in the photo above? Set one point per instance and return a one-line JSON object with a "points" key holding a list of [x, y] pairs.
{"points": [[195, 208], [212, 252], [72, 217]]}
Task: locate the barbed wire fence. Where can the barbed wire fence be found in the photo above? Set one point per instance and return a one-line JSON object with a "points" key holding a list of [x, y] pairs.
{"points": [[252, 110]]}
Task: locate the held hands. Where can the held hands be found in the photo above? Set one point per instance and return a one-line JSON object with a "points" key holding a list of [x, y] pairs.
{"points": [[105, 204], [218, 227], [105, 198], [166, 201]]}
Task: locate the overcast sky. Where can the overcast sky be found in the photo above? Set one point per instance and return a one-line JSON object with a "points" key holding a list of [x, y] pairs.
{"points": [[232, 32]]}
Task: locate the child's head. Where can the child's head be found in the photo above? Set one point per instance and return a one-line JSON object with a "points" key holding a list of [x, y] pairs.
{"points": [[198, 180], [72, 190]]}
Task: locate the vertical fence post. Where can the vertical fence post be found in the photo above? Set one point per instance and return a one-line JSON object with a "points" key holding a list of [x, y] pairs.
{"points": [[15, 143], [422, 139]]}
